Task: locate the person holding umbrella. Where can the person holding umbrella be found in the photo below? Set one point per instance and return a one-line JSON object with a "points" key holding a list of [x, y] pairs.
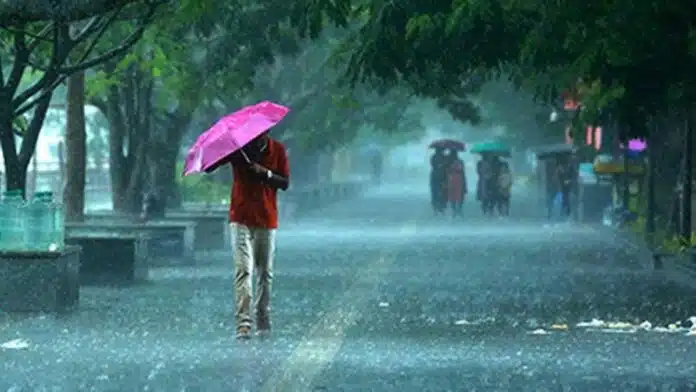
{"points": [[488, 190], [505, 189], [439, 172], [260, 167], [456, 182], [438, 167]]}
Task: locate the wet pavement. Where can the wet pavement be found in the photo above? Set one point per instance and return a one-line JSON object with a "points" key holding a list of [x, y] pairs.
{"points": [[377, 295]]}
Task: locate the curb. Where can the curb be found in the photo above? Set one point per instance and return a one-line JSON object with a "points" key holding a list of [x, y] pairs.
{"points": [[679, 268]]}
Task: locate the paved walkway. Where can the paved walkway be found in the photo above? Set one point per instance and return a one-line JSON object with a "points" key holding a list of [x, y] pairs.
{"points": [[377, 295]]}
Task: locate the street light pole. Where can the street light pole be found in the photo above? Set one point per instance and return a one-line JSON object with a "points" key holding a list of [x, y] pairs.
{"points": [[650, 213], [686, 184]]}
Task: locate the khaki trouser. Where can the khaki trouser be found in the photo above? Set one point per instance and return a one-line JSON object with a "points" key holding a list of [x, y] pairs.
{"points": [[254, 251]]}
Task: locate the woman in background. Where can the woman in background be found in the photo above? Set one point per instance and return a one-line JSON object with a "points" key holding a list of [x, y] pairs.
{"points": [[456, 183], [438, 167], [505, 187]]}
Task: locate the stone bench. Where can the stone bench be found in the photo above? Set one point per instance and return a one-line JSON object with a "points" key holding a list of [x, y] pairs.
{"points": [[40, 281], [212, 228], [167, 242], [110, 257]]}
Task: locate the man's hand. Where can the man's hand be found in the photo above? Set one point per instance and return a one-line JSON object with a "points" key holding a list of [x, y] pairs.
{"points": [[258, 169]]}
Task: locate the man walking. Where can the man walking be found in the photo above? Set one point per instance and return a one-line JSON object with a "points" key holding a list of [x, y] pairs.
{"points": [[259, 169]]}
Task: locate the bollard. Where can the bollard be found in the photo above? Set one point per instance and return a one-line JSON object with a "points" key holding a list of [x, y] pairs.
{"points": [[657, 261]]}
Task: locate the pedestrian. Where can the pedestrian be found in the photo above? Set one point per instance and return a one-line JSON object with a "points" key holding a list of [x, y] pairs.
{"points": [[564, 182], [505, 189], [438, 173], [259, 169], [487, 187], [456, 183]]}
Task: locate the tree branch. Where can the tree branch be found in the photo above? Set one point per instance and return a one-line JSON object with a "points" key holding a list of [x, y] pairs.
{"points": [[38, 36], [42, 36], [18, 12], [47, 91], [55, 75], [58, 55], [118, 51], [19, 64], [31, 136], [90, 27]]}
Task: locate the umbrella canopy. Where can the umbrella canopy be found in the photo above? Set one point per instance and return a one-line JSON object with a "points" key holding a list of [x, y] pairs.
{"points": [[495, 148], [550, 151], [448, 144], [231, 133]]}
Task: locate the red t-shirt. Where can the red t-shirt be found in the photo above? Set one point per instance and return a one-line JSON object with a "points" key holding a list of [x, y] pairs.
{"points": [[253, 202]]}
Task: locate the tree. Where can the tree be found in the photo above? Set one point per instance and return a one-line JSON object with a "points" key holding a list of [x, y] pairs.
{"points": [[192, 59], [56, 48], [75, 148], [325, 114], [410, 43], [20, 13], [526, 120], [547, 45]]}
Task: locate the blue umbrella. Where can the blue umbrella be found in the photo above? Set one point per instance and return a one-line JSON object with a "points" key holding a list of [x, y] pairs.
{"points": [[496, 148]]}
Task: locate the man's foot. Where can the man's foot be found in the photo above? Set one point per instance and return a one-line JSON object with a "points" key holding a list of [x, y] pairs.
{"points": [[243, 333], [263, 333]]}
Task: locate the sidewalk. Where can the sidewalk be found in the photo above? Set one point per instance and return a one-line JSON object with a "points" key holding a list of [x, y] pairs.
{"points": [[679, 268]]}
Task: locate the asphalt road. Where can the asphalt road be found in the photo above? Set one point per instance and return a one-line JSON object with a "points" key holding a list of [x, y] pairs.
{"points": [[378, 295]]}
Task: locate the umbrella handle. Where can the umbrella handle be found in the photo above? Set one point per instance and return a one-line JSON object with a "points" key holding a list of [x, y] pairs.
{"points": [[246, 157]]}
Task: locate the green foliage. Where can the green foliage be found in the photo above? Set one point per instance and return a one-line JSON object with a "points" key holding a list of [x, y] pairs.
{"points": [[326, 114], [202, 189], [637, 58]]}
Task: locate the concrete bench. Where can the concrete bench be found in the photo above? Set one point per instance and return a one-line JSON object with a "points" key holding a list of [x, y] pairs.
{"points": [[168, 242], [110, 257], [211, 230], [40, 281]]}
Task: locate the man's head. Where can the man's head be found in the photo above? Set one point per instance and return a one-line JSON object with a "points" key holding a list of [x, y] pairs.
{"points": [[258, 143], [439, 151]]}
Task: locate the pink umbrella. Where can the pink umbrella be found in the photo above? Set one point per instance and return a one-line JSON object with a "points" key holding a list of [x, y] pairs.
{"points": [[231, 133], [636, 145]]}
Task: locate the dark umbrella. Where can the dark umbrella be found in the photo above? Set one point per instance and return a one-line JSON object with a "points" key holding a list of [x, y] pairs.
{"points": [[448, 144]]}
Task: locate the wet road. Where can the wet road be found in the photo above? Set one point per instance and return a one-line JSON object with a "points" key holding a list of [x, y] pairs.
{"points": [[380, 296]]}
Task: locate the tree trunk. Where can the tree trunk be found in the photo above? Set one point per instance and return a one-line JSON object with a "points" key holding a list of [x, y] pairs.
{"points": [[76, 149], [163, 173], [164, 155], [15, 176], [14, 179], [686, 224], [16, 163], [127, 108], [116, 139]]}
